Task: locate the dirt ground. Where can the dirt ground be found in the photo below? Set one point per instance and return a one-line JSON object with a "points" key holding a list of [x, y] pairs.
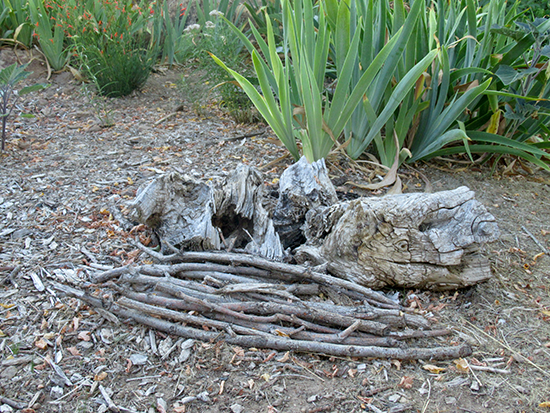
{"points": [[62, 172]]}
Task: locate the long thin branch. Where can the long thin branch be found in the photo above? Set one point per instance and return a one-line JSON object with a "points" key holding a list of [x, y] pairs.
{"points": [[285, 344], [270, 312], [246, 328], [276, 270]]}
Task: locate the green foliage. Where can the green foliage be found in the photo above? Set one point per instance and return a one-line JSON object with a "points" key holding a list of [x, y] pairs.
{"points": [[50, 34], [208, 10], [529, 79], [294, 101], [173, 30], [469, 94], [215, 37], [9, 78], [111, 42], [261, 10], [400, 79], [391, 101], [15, 22], [535, 8]]}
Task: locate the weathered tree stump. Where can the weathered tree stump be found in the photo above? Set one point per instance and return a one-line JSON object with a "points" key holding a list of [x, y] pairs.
{"points": [[302, 187], [413, 240], [196, 216]]}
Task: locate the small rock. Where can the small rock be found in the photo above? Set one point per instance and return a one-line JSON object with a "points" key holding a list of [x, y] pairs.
{"points": [[56, 392], [236, 408], [278, 389], [186, 348], [314, 398], [138, 359], [6, 408], [394, 398], [94, 128], [474, 386], [523, 390], [450, 400]]}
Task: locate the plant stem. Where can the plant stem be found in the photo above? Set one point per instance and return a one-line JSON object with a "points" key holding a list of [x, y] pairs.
{"points": [[4, 120]]}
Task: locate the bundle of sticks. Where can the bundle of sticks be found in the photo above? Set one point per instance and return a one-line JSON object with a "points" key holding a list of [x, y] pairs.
{"points": [[250, 301]]}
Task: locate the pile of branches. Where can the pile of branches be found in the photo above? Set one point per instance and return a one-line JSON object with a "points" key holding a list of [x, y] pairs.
{"points": [[250, 301]]}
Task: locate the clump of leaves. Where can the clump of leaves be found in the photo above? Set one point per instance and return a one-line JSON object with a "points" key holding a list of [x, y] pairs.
{"points": [[112, 43], [216, 37], [9, 78]]}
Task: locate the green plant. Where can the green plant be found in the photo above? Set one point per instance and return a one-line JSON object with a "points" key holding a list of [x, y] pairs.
{"points": [[293, 99], [260, 10], [206, 9], [99, 106], [174, 33], [412, 80], [529, 79], [9, 78], [215, 37], [470, 96], [49, 32], [536, 8], [112, 43], [392, 99], [15, 21]]}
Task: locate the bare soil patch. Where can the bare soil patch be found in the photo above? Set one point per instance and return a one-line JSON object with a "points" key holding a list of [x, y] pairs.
{"points": [[62, 176]]}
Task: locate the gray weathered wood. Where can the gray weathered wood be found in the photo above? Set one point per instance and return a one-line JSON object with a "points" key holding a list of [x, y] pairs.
{"points": [[192, 215], [416, 240], [302, 187]]}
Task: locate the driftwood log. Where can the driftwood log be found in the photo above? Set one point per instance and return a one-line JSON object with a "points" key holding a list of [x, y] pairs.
{"points": [[416, 240], [411, 240]]}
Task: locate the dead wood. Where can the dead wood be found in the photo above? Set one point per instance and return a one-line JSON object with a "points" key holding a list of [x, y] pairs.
{"points": [[284, 344], [193, 215], [269, 311], [303, 187], [249, 297], [410, 240], [248, 264], [259, 340], [416, 240]]}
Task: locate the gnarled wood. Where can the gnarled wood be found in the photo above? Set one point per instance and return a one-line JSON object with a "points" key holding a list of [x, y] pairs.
{"points": [[192, 215], [302, 187], [414, 240]]}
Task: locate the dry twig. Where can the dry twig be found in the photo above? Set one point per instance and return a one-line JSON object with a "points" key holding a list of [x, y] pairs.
{"points": [[249, 301]]}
